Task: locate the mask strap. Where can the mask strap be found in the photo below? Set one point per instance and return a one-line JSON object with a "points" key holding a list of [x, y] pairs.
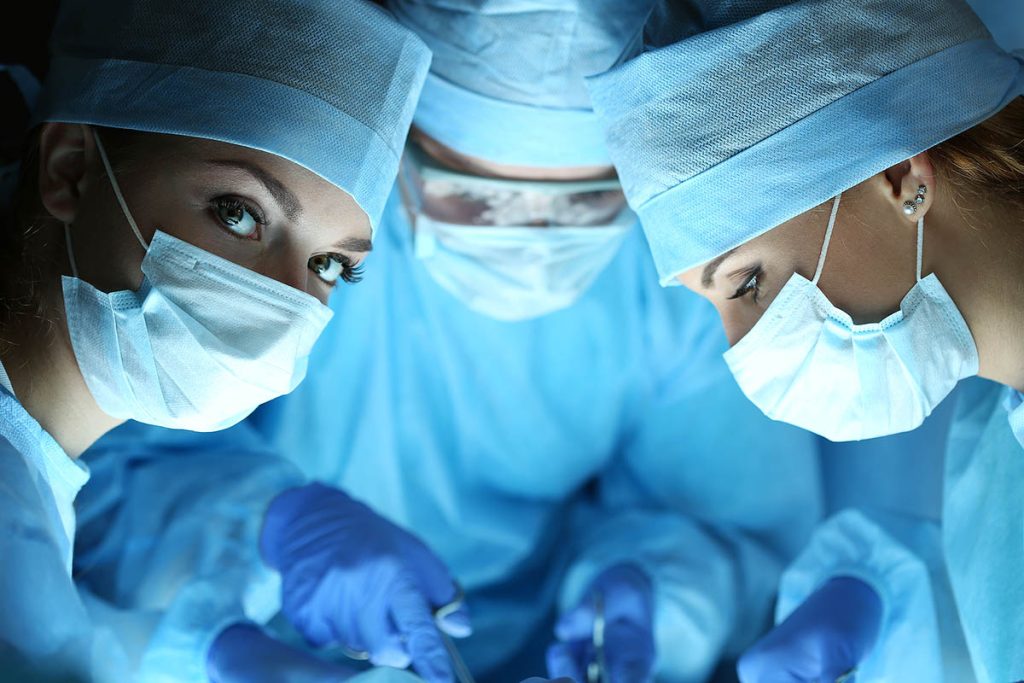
{"points": [[920, 245], [828, 238], [117, 190], [71, 251]]}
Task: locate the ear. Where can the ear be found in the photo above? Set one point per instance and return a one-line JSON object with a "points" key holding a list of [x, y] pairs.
{"points": [[65, 155], [902, 187]]}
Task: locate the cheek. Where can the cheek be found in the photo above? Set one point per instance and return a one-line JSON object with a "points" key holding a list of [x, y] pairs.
{"points": [[104, 247], [868, 279], [738, 318]]}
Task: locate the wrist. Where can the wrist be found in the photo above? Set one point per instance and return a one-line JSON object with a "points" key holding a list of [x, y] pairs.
{"points": [[234, 641]]}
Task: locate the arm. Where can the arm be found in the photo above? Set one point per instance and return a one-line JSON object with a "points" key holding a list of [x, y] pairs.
{"points": [[902, 640], [46, 634], [168, 536], [215, 535]]}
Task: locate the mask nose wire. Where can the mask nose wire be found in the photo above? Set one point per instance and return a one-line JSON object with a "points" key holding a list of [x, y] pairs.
{"points": [[117, 190], [828, 238]]}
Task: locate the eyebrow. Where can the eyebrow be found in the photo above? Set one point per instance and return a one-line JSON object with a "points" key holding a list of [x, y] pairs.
{"points": [[708, 276], [285, 198], [355, 244]]}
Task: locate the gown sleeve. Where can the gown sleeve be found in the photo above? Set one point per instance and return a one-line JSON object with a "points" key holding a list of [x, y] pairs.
{"points": [[168, 541]]}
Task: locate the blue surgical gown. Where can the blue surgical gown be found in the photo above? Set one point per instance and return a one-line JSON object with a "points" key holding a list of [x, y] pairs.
{"points": [[983, 529], [46, 633], [529, 455]]}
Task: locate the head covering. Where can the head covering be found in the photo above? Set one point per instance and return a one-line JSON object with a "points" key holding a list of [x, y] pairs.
{"points": [[507, 81], [330, 86], [725, 135]]}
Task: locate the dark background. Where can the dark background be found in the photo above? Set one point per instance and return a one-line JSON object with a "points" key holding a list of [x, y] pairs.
{"points": [[23, 37]]}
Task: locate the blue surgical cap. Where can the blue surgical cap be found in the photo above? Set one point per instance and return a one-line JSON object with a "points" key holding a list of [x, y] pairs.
{"points": [[331, 86], [727, 134], [507, 81]]}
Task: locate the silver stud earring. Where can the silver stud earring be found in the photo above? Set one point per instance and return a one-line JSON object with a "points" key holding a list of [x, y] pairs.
{"points": [[909, 208], [922, 190]]}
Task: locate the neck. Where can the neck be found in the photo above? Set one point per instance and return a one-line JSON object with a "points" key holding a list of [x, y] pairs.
{"points": [[44, 373], [978, 255]]}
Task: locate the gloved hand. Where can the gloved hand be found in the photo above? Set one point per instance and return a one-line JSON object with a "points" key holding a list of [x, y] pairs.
{"points": [[627, 597], [824, 638], [242, 653], [351, 577]]}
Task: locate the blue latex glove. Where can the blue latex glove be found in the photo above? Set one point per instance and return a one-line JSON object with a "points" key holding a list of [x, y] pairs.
{"points": [[824, 638], [244, 654], [351, 577], [628, 599]]}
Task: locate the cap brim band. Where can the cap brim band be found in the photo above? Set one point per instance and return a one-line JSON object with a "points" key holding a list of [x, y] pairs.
{"points": [[507, 132], [227, 107], [838, 146]]}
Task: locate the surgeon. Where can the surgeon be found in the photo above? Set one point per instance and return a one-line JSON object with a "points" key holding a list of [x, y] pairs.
{"points": [[854, 216], [181, 212], [515, 412]]}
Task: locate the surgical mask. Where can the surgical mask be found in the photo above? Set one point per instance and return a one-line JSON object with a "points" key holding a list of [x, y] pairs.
{"points": [[512, 250], [199, 346], [806, 363]]}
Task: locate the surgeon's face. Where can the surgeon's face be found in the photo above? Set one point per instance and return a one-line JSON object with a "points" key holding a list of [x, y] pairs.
{"points": [[868, 270], [256, 209]]}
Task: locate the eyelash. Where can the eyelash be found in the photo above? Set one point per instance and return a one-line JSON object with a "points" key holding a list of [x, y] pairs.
{"points": [[350, 273], [752, 281]]}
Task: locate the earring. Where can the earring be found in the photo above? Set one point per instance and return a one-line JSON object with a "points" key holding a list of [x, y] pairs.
{"points": [[910, 208], [922, 190]]}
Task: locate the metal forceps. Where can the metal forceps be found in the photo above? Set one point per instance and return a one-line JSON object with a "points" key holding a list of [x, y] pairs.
{"points": [[597, 669], [462, 673]]}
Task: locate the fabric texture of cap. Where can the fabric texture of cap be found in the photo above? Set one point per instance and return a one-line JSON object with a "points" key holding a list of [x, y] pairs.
{"points": [[331, 86], [727, 134], [507, 80]]}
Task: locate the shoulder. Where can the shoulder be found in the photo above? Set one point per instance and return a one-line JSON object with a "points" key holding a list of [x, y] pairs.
{"points": [[21, 505]]}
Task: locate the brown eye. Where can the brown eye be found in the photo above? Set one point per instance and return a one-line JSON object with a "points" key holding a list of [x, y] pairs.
{"points": [[237, 218]]}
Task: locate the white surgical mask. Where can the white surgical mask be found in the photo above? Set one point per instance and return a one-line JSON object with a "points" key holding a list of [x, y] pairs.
{"points": [[520, 249], [199, 346], [806, 363], [517, 273]]}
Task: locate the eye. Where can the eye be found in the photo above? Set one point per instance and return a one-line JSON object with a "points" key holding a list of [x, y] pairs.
{"points": [[238, 217], [752, 281], [331, 267]]}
